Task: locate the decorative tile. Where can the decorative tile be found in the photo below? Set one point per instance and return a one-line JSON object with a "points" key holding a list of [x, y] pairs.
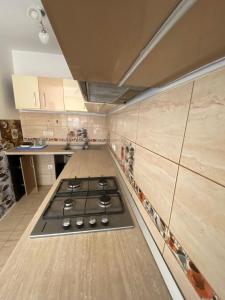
{"points": [[198, 223], [56, 128], [156, 176], [196, 279], [10, 136]]}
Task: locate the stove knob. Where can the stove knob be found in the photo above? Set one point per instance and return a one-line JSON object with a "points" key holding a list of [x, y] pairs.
{"points": [[104, 220], [92, 221], [79, 222], [66, 223]]}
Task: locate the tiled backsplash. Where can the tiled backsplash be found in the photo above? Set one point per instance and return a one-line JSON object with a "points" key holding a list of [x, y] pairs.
{"points": [[54, 127], [176, 171]]}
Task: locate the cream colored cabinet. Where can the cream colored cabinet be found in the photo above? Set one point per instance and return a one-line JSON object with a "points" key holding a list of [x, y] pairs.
{"points": [[26, 92], [73, 98], [51, 93]]}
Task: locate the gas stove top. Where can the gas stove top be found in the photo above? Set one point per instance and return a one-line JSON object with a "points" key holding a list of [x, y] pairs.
{"points": [[84, 205]]}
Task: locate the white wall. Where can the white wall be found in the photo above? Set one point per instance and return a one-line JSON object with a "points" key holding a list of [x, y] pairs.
{"points": [[7, 106], [40, 64]]}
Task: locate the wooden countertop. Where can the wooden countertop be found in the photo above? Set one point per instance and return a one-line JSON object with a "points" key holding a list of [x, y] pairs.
{"points": [[49, 150], [114, 265]]}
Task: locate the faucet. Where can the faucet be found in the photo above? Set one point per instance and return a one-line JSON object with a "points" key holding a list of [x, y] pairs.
{"points": [[82, 133], [67, 147]]}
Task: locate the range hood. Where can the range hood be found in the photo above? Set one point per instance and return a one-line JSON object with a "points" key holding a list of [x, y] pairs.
{"points": [[117, 49], [108, 93]]}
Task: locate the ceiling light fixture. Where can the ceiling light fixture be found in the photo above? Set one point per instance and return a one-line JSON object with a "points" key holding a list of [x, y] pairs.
{"points": [[43, 34], [37, 14]]}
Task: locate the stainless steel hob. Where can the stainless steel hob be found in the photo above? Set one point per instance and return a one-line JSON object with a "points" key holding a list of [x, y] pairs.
{"points": [[83, 205]]}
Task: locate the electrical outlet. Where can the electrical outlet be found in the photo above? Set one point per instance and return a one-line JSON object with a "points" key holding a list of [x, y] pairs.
{"points": [[50, 167]]}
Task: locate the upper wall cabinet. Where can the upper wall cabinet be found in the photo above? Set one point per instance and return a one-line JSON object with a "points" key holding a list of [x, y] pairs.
{"points": [[26, 92], [51, 93], [195, 40], [102, 47], [73, 99]]}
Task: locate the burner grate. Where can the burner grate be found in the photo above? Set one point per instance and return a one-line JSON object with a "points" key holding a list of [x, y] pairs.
{"points": [[91, 185]]}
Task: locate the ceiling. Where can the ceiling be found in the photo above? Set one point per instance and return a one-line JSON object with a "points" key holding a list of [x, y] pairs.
{"points": [[18, 31]]}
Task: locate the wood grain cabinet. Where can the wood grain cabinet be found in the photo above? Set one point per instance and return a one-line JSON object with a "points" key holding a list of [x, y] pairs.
{"points": [[23, 174], [51, 93], [73, 99], [29, 175], [26, 92]]}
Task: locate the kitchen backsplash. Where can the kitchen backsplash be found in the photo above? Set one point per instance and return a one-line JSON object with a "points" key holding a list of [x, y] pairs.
{"points": [[59, 128], [10, 136], [171, 150]]}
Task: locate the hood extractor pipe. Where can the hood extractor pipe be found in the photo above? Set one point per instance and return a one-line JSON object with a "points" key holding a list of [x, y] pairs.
{"points": [[175, 16]]}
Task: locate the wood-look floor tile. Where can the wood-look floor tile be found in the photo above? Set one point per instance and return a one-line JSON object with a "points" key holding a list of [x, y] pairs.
{"points": [[15, 235], [8, 224], [4, 235], [15, 222], [24, 223], [5, 251]]}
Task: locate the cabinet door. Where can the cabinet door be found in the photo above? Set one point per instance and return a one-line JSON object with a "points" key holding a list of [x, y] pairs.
{"points": [[51, 93], [28, 171], [73, 98], [26, 92]]}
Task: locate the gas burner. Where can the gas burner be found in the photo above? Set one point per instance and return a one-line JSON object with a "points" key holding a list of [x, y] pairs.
{"points": [[102, 182], [68, 203], [81, 205], [74, 184], [105, 201]]}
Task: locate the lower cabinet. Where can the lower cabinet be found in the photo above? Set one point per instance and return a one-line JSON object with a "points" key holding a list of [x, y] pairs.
{"points": [[23, 174], [28, 172], [17, 176]]}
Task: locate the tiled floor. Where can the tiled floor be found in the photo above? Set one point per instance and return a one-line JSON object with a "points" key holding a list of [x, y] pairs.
{"points": [[15, 222]]}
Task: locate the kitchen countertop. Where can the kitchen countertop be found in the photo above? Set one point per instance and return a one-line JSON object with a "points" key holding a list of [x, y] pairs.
{"points": [[92, 266], [49, 150]]}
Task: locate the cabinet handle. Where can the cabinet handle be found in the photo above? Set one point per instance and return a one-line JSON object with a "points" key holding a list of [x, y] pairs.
{"points": [[35, 101], [44, 99]]}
